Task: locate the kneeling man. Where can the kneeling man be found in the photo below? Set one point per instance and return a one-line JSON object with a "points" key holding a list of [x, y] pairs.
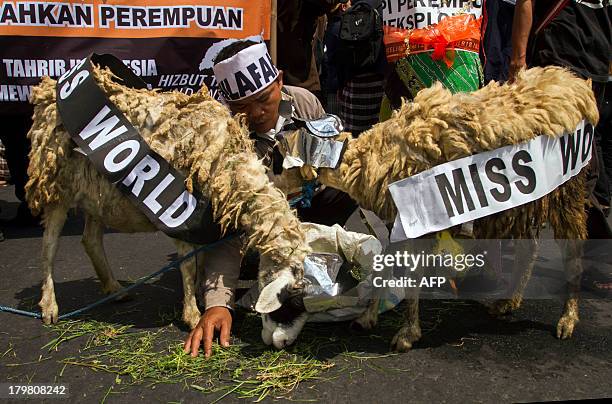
{"points": [[250, 84]]}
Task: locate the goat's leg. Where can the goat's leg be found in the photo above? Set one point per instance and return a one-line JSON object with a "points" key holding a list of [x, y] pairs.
{"points": [[572, 261], [411, 330], [191, 313], [526, 251], [568, 219], [93, 243], [54, 220], [368, 319]]}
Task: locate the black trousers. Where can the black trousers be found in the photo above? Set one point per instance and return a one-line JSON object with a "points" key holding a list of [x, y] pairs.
{"points": [[603, 133], [598, 183], [597, 180], [496, 44], [13, 130]]}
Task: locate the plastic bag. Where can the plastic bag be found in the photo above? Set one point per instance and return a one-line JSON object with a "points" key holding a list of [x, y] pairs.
{"points": [[456, 32], [339, 275], [446, 52]]}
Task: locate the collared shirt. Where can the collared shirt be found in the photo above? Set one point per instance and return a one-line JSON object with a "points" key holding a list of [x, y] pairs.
{"points": [[296, 103], [285, 113]]}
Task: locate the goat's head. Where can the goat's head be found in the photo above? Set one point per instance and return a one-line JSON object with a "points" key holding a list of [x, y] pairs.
{"points": [[281, 304]]}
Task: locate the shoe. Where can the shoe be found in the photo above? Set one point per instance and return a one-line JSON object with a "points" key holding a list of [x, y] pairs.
{"points": [[597, 282]]}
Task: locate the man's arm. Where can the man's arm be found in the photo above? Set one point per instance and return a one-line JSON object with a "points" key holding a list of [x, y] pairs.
{"points": [[221, 269], [521, 28]]}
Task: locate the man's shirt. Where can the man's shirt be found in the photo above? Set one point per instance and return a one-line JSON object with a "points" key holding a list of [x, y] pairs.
{"points": [[296, 102]]}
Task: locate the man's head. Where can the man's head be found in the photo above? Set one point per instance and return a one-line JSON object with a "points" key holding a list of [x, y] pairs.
{"points": [[342, 6], [250, 83]]}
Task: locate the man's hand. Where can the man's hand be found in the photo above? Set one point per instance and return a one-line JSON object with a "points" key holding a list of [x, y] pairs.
{"points": [[215, 318], [515, 67]]}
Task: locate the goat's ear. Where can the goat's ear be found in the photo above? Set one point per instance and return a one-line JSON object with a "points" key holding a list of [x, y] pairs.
{"points": [[270, 297]]}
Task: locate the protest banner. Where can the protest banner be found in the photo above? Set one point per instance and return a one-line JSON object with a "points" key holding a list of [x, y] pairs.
{"points": [[413, 14], [169, 44]]}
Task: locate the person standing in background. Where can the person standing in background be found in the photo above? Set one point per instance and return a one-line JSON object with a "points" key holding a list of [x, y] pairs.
{"points": [[5, 176], [331, 42], [13, 135], [361, 65], [296, 27], [576, 34]]}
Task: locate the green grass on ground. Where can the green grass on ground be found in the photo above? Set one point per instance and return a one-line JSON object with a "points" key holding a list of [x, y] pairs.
{"points": [[246, 369]]}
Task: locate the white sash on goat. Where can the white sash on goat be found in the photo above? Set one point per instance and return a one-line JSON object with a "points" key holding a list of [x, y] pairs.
{"points": [[117, 150], [486, 183]]}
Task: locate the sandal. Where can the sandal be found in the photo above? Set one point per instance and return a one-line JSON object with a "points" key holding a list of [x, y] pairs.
{"points": [[597, 282]]}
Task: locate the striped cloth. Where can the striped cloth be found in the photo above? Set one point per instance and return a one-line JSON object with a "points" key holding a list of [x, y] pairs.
{"points": [[5, 175], [360, 100], [332, 105]]}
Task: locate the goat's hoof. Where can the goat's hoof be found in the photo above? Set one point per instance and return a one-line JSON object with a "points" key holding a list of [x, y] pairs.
{"points": [[191, 317], [502, 307], [403, 340], [114, 287], [363, 323], [50, 313], [123, 298], [565, 327]]}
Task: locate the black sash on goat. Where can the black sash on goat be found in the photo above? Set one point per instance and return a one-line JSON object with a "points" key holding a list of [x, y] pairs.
{"points": [[116, 149]]}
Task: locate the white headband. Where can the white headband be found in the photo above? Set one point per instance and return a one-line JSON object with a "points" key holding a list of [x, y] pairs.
{"points": [[246, 73]]}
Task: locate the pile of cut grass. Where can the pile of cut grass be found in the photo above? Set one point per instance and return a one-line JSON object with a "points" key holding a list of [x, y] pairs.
{"points": [[156, 357], [246, 369]]}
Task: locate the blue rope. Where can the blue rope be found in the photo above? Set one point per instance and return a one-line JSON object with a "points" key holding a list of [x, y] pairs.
{"points": [[170, 266], [305, 199]]}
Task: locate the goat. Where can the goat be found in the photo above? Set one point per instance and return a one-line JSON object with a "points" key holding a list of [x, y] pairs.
{"points": [[438, 127], [197, 136]]}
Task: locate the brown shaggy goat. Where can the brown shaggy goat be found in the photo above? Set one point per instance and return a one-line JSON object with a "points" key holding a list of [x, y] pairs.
{"points": [[438, 127], [197, 136]]}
